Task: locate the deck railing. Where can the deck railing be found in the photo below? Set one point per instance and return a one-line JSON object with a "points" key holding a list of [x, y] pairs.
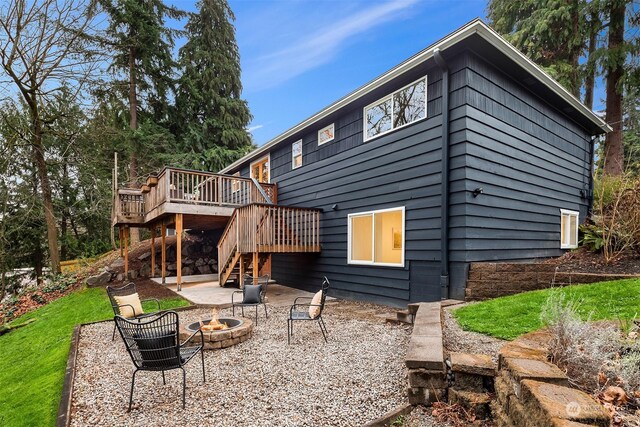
{"points": [[181, 186]]}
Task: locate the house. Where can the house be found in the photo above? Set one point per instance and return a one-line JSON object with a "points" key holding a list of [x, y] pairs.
{"points": [[465, 152]]}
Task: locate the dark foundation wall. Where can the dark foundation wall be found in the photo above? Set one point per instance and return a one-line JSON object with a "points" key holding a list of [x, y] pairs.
{"points": [[529, 159]]}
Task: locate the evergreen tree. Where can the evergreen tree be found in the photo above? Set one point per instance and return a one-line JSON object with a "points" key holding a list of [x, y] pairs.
{"points": [[211, 115], [142, 46]]}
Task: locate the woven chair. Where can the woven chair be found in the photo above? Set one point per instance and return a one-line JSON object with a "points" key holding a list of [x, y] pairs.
{"points": [[125, 290], [300, 311], [251, 297], [154, 345]]}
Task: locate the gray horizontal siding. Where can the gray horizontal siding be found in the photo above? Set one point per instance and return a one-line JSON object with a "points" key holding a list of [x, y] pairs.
{"points": [[530, 160]]}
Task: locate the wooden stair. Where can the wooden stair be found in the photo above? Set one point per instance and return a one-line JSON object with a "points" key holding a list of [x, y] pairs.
{"points": [[257, 230]]}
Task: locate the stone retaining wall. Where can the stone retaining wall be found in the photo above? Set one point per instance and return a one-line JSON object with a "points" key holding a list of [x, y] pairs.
{"points": [[490, 280]]}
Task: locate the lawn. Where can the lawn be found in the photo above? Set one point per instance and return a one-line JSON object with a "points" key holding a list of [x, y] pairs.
{"points": [[511, 316], [33, 358]]}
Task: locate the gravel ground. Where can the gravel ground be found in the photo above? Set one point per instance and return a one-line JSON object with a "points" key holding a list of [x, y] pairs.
{"points": [[356, 378], [459, 340]]}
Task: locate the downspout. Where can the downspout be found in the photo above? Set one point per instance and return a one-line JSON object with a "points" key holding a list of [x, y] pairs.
{"points": [[591, 172], [444, 189]]}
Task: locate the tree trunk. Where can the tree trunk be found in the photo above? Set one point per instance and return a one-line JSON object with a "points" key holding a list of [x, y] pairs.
{"points": [[575, 53], [590, 79], [613, 146], [65, 211], [45, 186], [133, 124]]}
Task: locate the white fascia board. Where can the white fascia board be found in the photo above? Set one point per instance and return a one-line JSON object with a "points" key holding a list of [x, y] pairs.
{"points": [[474, 27]]}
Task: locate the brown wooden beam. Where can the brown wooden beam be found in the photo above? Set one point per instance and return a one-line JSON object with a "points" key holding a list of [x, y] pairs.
{"points": [[256, 271], [179, 250], [121, 243], [153, 251], [126, 253], [163, 230]]}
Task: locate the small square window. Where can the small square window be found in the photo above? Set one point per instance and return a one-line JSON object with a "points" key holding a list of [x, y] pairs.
{"points": [[569, 221], [296, 154], [326, 134]]}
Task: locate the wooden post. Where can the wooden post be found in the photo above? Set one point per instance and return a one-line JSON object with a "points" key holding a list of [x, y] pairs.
{"points": [[256, 273], [153, 251], [163, 230], [126, 253], [241, 273], [121, 242], [179, 250]]}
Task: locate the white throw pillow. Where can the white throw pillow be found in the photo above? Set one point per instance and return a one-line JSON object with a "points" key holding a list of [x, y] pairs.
{"points": [[126, 303], [314, 310]]}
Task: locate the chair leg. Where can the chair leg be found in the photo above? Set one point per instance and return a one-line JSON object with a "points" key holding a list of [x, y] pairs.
{"points": [[204, 379], [242, 308], [289, 331], [133, 380], [320, 323], [233, 307], [256, 314], [184, 387], [266, 315], [113, 336], [164, 381]]}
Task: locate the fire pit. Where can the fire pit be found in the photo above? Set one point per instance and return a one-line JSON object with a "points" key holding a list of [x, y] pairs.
{"points": [[220, 333]]}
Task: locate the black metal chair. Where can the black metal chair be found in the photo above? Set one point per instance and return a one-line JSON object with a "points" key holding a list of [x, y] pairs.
{"points": [[251, 295], [126, 290], [295, 312], [154, 345]]}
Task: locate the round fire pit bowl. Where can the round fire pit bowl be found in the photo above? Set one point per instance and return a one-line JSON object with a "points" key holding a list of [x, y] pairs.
{"points": [[239, 330]]}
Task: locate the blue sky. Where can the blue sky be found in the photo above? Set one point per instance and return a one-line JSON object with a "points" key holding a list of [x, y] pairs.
{"points": [[299, 56]]}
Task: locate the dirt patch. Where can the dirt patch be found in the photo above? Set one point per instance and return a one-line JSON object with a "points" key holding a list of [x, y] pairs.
{"points": [[584, 261]]}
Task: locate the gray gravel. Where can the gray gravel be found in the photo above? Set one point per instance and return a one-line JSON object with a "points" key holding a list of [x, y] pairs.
{"points": [[357, 377], [458, 340]]}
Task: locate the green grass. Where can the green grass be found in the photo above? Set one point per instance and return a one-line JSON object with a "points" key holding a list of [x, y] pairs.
{"points": [[511, 316], [33, 358]]}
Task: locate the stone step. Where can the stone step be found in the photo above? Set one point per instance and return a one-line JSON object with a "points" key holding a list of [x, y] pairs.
{"points": [[475, 402], [413, 308], [474, 364], [404, 316]]}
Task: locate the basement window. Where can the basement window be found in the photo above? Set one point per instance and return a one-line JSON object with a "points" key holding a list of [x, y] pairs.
{"points": [[569, 229], [397, 110], [296, 154], [377, 238]]}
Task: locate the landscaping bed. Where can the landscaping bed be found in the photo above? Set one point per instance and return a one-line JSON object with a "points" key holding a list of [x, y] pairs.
{"points": [[584, 261], [358, 376]]}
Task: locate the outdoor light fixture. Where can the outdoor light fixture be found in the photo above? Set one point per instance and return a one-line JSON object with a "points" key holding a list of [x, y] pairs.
{"points": [[334, 207], [478, 191]]}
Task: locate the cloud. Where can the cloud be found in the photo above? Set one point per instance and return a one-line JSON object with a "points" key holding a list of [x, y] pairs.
{"points": [[255, 127], [273, 69]]}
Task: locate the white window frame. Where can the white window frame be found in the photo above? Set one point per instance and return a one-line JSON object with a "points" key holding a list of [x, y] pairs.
{"points": [[333, 132], [569, 213], [235, 184], [268, 157], [293, 158], [373, 238], [391, 96]]}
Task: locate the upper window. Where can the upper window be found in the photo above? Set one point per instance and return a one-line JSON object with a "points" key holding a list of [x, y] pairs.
{"points": [[296, 154], [401, 108], [326, 134], [568, 229], [377, 237]]}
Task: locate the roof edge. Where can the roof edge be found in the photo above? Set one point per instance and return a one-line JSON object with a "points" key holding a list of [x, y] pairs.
{"points": [[476, 26]]}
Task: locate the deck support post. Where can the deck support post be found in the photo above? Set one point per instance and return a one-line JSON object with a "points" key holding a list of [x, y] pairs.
{"points": [[126, 253], [241, 273], [163, 230], [120, 236], [179, 251], [153, 251], [256, 267]]}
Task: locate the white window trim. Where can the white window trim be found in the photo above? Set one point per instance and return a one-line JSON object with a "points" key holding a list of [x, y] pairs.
{"points": [[268, 157], [333, 132], [235, 184], [384, 98], [373, 230], [564, 212], [293, 158]]}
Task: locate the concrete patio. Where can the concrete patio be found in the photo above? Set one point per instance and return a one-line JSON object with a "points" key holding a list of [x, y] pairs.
{"points": [[204, 290]]}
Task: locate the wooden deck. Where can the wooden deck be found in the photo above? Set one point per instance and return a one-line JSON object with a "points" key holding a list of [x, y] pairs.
{"points": [[191, 193]]}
